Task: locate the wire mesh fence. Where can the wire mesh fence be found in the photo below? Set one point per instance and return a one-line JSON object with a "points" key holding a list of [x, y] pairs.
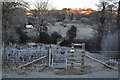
{"points": [[110, 58], [16, 55]]}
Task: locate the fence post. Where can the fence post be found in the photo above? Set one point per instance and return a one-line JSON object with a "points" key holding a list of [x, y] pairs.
{"points": [[83, 46], [49, 55], [72, 51], [66, 57], [82, 61], [4, 55]]}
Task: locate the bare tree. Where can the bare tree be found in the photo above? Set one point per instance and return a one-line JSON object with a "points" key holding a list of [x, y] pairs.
{"points": [[118, 12], [102, 7], [41, 16], [41, 9], [9, 7], [106, 24], [9, 33]]}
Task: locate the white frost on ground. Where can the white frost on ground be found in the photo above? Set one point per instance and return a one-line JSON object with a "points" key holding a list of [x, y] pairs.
{"points": [[83, 32]]}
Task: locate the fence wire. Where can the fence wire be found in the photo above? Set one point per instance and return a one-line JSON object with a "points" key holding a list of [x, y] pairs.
{"points": [[108, 57]]}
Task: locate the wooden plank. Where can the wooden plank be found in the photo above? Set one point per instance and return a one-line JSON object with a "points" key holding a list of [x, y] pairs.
{"points": [[32, 62], [75, 54], [74, 65], [62, 67], [73, 58], [101, 62], [75, 44], [68, 61]]}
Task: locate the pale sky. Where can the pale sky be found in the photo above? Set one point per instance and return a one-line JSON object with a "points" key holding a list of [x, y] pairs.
{"points": [[59, 4]]}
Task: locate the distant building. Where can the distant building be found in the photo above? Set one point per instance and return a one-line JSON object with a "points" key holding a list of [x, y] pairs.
{"points": [[29, 26], [31, 32]]}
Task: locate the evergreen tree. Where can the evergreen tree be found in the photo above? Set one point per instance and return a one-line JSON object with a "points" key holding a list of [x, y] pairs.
{"points": [[71, 33], [55, 36]]}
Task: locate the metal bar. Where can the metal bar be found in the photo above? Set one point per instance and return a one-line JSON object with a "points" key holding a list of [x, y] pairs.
{"points": [[31, 62], [100, 62], [82, 61]]}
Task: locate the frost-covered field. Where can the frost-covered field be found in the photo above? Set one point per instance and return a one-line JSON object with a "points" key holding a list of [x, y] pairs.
{"points": [[83, 31]]}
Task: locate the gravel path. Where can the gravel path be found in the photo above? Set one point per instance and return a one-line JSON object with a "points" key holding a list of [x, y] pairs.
{"points": [[51, 74]]}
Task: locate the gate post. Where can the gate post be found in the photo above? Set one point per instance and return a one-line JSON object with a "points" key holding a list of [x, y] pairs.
{"points": [[72, 64], [66, 57], [82, 58], [83, 46], [72, 52], [49, 55]]}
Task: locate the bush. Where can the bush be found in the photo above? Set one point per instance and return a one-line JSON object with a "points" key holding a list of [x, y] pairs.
{"points": [[71, 33], [92, 44], [55, 36], [10, 35], [22, 34], [44, 38]]}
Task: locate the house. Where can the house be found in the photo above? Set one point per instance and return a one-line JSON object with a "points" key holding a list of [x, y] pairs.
{"points": [[31, 32]]}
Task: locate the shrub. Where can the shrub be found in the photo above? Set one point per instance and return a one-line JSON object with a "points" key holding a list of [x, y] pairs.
{"points": [[55, 36], [71, 33], [22, 34], [44, 38]]}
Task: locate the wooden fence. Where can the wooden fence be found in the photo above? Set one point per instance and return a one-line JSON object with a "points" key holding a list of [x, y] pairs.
{"points": [[53, 55]]}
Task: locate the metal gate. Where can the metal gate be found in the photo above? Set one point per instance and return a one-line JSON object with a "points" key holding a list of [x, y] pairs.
{"points": [[59, 57], [62, 57]]}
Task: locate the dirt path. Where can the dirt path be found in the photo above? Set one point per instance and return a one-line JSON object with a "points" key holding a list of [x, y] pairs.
{"points": [[51, 74]]}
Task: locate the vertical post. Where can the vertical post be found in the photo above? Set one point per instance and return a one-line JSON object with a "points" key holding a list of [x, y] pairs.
{"points": [[83, 46], [66, 58], [15, 45], [72, 51], [11, 44], [72, 64], [82, 61], [5, 55], [58, 43], [3, 44], [72, 45], [49, 56], [52, 59]]}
